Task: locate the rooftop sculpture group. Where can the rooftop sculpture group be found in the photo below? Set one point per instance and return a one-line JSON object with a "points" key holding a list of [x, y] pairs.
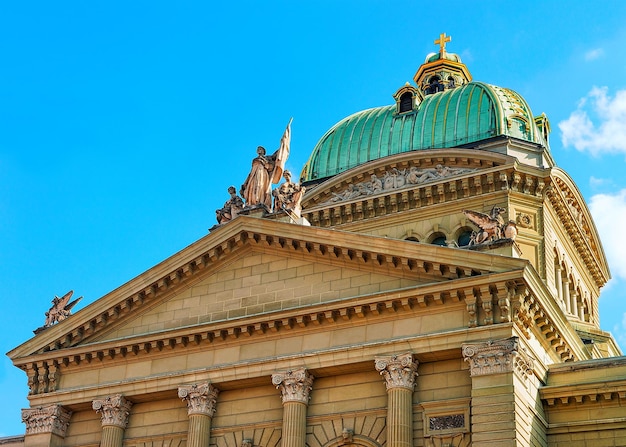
{"points": [[256, 191]]}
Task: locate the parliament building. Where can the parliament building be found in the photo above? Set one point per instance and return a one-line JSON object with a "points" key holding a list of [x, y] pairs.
{"points": [[436, 285]]}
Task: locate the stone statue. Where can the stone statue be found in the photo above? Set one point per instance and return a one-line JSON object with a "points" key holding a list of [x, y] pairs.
{"points": [[492, 226], [60, 309], [288, 196], [231, 208], [266, 169]]}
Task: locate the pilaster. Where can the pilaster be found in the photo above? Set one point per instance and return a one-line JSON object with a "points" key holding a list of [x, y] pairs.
{"points": [[500, 373], [45, 426]]}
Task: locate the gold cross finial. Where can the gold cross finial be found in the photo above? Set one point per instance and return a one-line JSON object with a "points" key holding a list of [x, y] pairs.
{"points": [[442, 42]]}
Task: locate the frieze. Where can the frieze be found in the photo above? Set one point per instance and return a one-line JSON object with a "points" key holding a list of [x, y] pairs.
{"points": [[294, 385], [397, 179], [50, 419], [200, 398], [399, 371], [114, 410]]}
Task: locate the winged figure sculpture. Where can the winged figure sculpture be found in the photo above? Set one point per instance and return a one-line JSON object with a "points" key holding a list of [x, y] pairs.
{"points": [[491, 225], [60, 309]]}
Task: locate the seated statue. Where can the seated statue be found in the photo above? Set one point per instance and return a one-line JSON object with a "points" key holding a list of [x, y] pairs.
{"points": [[231, 208], [288, 196]]}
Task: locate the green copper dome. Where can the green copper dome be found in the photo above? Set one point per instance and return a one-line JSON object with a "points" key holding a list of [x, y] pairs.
{"points": [[451, 118]]}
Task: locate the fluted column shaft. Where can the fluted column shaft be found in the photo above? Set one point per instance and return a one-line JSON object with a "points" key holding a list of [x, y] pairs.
{"points": [[295, 387], [399, 372], [294, 424], [201, 403], [114, 411], [112, 436]]}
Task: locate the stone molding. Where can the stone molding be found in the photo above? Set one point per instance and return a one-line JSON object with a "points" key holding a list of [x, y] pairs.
{"points": [[498, 356], [49, 419], [294, 385], [200, 398], [398, 370], [114, 410]]}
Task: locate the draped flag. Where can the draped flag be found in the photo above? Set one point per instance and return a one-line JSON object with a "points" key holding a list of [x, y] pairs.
{"points": [[282, 154]]}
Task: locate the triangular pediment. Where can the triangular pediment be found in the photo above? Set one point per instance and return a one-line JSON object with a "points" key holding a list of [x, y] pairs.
{"points": [[207, 282]]}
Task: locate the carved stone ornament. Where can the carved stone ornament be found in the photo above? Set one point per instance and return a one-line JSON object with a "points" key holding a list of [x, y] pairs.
{"points": [[114, 410], [200, 398], [294, 385], [50, 419], [397, 179], [399, 371], [499, 356]]}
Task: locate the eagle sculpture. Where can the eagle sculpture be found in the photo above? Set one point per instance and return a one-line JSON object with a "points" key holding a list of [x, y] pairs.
{"points": [[60, 309], [492, 227]]}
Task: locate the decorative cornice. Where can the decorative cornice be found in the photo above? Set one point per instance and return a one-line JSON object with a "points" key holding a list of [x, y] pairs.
{"points": [[201, 398], [341, 203], [50, 419], [423, 297], [375, 252], [495, 357], [114, 410], [575, 221], [399, 371], [294, 385]]}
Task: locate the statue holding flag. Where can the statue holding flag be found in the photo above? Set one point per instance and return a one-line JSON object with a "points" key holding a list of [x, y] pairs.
{"points": [[266, 170]]}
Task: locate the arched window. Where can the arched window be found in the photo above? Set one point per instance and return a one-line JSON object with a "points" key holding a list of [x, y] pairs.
{"points": [[435, 85], [406, 102], [412, 239], [439, 240], [464, 238]]}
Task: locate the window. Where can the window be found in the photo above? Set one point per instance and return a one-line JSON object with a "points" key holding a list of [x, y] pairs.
{"points": [[406, 102]]}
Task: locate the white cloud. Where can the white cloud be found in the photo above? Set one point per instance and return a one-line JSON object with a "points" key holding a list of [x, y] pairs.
{"points": [[609, 213], [596, 182], [594, 54], [598, 125]]}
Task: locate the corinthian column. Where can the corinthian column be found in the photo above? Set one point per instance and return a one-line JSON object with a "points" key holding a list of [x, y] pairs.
{"points": [[399, 372], [45, 426], [295, 387], [114, 411], [201, 401]]}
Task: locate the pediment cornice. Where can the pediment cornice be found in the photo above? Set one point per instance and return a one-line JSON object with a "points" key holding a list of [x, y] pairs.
{"points": [[417, 261]]}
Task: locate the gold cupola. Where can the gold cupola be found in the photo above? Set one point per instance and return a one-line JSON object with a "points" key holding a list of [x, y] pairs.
{"points": [[441, 71]]}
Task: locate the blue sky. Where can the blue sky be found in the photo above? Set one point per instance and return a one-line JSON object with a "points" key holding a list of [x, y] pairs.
{"points": [[122, 124]]}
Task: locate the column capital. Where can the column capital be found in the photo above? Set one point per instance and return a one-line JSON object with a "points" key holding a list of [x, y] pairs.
{"points": [[497, 356], [49, 419], [201, 398], [399, 370], [114, 410], [294, 385]]}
